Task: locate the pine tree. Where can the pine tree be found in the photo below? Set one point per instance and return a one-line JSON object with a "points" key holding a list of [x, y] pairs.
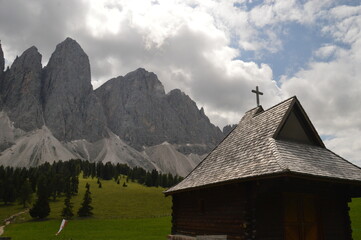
{"points": [[25, 193], [67, 212], [9, 193], [74, 185], [86, 209], [9, 188], [41, 208], [148, 180], [154, 176]]}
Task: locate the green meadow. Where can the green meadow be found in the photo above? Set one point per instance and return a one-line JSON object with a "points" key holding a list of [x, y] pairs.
{"points": [[133, 228], [355, 215], [133, 212]]}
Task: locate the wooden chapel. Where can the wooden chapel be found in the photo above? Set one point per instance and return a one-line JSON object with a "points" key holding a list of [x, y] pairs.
{"points": [[271, 178]]}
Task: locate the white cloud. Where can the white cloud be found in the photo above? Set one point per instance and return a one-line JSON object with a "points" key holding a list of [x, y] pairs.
{"points": [[331, 91], [197, 46], [187, 46], [347, 144], [326, 51]]}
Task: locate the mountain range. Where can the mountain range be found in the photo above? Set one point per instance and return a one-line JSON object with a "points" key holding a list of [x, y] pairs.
{"points": [[53, 113]]}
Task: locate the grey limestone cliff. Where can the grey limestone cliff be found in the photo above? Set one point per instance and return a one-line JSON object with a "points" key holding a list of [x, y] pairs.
{"points": [[2, 60], [139, 111], [21, 91], [71, 110], [228, 128], [53, 113], [194, 126], [2, 66]]}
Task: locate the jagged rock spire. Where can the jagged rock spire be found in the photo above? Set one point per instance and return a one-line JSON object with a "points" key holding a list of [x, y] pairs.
{"points": [[2, 65], [2, 60], [21, 90], [71, 110]]}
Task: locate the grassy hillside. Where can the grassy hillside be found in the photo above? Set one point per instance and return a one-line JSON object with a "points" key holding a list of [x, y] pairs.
{"points": [[133, 212], [118, 211]]}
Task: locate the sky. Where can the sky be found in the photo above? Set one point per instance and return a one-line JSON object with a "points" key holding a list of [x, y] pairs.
{"points": [[216, 51]]}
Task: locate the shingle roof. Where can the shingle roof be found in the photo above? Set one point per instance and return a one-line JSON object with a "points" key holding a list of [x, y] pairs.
{"points": [[250, 151]]}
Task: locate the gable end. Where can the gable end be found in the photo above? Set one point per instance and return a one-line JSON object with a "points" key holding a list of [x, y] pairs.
{"points": [[297, 127]]}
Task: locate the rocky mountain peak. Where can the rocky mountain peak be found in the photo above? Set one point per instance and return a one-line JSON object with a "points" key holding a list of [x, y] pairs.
{"points": [[184, 104], [2, 60], [202, 111], [71, 110], [21, 90], [145, 81], [28, 61], [139, 111], [176, 92], [228, 128], [68, 70], [53, 113]]}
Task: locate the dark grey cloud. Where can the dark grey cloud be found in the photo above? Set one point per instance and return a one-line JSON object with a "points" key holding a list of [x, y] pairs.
{"points": [[183, 60], [189, 47], [39, 23]]}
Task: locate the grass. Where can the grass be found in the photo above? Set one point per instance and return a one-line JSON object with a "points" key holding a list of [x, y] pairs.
{"points": [[142, 228], [8, 210], [355, 215], [115, 201], [133, 212]]}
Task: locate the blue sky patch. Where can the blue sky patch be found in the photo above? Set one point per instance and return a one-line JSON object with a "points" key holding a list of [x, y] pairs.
{"points": [[298, 45], [327, 137]]}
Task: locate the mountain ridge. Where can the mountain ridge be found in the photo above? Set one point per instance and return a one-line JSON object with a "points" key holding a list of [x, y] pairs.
{"points": [[130, 112]]}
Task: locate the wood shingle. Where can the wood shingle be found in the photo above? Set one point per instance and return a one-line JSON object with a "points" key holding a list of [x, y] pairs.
{"points": [[257, 149]]}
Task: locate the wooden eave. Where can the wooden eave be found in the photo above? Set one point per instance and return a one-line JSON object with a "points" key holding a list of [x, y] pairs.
{"points": [[285, 174]]}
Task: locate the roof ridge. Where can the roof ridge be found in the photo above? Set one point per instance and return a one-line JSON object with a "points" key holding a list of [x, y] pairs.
{"points": [[260, 106], [277, 155], [277, 105]]}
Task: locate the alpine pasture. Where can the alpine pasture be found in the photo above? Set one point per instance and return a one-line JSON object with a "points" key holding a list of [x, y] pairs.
{"points": [[132, 212]]}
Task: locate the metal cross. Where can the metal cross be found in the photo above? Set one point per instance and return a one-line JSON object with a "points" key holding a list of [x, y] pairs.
{"points": [[257, 94]]}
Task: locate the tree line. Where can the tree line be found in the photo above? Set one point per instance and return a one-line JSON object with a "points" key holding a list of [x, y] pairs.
{"points": [[110, 171], [50, 181]]}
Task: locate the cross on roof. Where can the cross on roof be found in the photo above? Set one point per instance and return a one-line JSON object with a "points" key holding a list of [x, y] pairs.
{"points": [[257, 94]]}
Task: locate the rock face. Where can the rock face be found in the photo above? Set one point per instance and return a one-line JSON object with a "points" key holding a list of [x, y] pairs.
{"points": [[53, 113], [7, 138], [192, 126], [228, 128], [167, 158], [21, 91], [2, 66], [139, 111], [2, 60], [35, 148], [131, 105], [71, 110], [111, 149]]}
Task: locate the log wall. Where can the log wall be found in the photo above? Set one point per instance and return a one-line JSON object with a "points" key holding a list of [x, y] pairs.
{"points": [[215, 211], [255, 210]]}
